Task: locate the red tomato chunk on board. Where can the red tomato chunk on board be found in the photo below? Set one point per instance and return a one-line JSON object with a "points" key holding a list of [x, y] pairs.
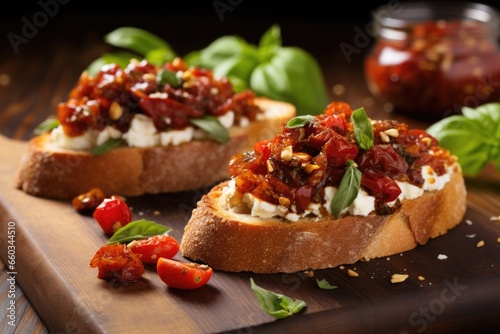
{"points": [[183, 275], [112, 214], [117, 262], [151, 249]]}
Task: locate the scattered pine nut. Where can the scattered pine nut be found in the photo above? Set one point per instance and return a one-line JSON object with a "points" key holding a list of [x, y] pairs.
{"points": [[421, 278], [498, 240], [352, 273], [309, 273], [480, 244], [398, 278]]}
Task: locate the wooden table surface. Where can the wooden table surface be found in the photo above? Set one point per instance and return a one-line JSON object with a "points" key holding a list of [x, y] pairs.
{"points": [[38, 76]]}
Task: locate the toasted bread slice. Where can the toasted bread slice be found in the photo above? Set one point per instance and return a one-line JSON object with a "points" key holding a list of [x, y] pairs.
{"points": [[231, 241], [48, 171]]}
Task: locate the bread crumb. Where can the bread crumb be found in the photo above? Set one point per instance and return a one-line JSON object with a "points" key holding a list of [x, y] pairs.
{"points": [[421, 278], [309, 273], [495, 218], [468, 222], [480, 244], [342, 267], [442, 257], [388, 258], [471, 235], [352, 273], [498, 240], [156, 213], [398, 278]]}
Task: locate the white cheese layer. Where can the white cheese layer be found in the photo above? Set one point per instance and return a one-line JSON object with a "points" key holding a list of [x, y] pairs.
{"points": [[362, 205], [142, 133]]}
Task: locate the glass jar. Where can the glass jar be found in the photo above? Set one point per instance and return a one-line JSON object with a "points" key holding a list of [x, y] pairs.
{"points": [[429, 59]]}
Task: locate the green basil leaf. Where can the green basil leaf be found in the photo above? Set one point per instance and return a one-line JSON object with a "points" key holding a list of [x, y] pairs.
{"points": [[270, 43], [274, 304], [107, 146], [213, 127], [299, 121], [46, 126], [292, 75], [223, 48], [238, 84], [323, 284], [164, 77], [137, 40], [363, 129], [466, 139], [347, 190], [239, 67], [139, 229], [160, 56]]}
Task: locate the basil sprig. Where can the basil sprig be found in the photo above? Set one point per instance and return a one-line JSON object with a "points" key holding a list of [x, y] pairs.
{"points": [[363, 129], [46, 126], [299, 121], [213, 127], [107, 146], [324, 284], [347, 190], [168, 77], [274, 304], [473, 137], [139, 229], [285, 73]]}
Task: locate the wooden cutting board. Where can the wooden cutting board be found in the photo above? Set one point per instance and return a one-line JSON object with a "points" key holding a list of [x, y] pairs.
{"points": [[54, 245]]}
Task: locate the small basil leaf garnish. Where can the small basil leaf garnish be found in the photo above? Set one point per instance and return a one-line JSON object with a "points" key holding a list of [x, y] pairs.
{"points": [[139, 229], [323, 284], [164, 77], [363, 129], [46, 126], [348, 189], [213, 127], [274, 304], [107, 146], [299, 121]]}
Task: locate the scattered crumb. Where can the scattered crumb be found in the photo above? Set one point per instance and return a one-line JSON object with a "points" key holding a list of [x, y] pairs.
{"points": [[421, 278], [140, 213], [495, 218], [442, 257], [309, 273], [4, 79], [468, 222], [471, 235], [352, 273], [338, 89], [401, 254], [342, 267], [388, 258], [156, 213], [480, 244], [498, 240], [398, 278]]}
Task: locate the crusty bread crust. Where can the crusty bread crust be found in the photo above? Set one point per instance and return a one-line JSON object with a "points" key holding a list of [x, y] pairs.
{"points": [[51, 172], [236, 242]]}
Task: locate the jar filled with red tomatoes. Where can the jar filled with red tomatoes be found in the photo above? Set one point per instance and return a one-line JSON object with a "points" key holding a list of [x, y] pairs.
{"points": [[430, 59]]}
